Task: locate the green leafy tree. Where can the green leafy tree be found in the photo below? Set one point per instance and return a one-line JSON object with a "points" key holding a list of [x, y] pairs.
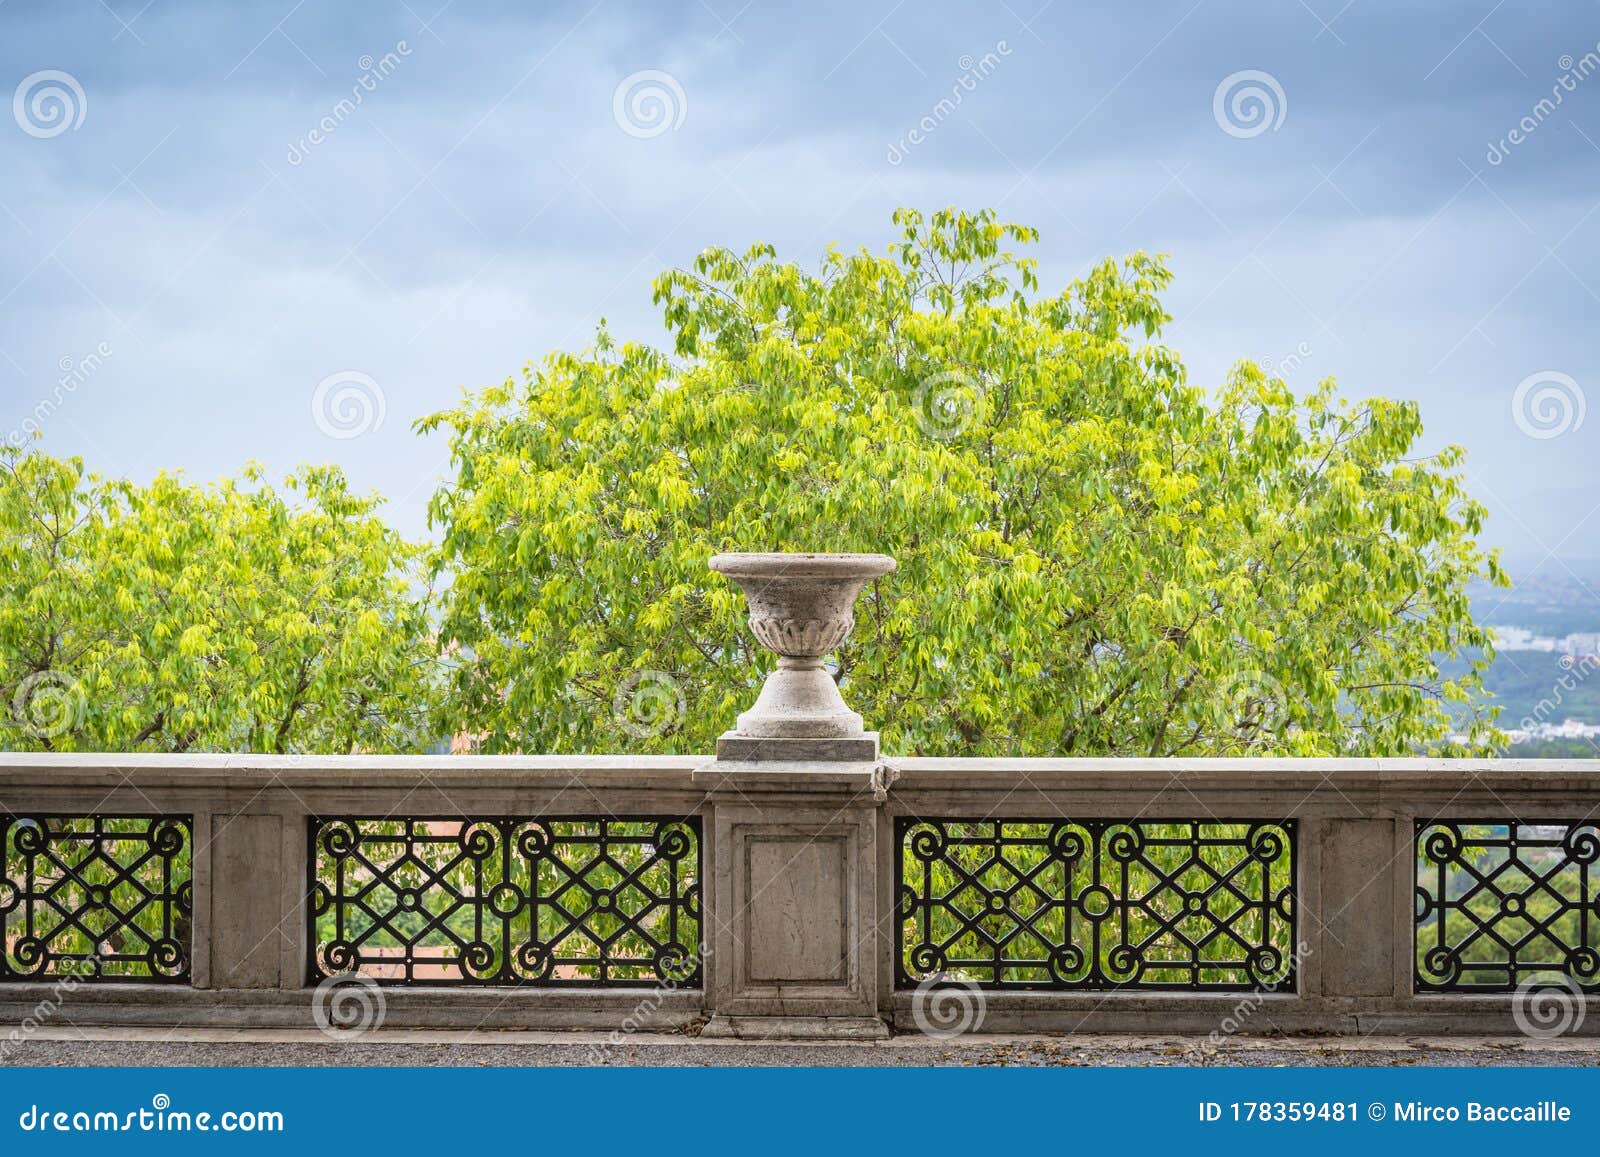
{"points": [[1095, 556], [175, 617]]}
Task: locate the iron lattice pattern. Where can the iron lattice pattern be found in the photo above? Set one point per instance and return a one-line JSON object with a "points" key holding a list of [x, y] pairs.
{"points": [[1096, 904], [1502, 903], [100, 898], [507, 901]]}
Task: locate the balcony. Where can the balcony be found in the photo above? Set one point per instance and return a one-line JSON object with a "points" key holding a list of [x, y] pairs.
{"points": [[1400, 896], [799, 884]]}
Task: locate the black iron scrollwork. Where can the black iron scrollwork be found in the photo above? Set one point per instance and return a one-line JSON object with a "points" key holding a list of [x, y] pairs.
{"points": [[1096, 904], [507, 901], [1499, 903], [100, 898]]}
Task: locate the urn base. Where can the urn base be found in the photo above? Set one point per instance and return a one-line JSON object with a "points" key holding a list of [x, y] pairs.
{"points": [[734, 747], [799, 701]]}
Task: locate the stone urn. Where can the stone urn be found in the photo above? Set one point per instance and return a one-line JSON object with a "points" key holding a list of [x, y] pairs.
{"points": [[801, 608]]}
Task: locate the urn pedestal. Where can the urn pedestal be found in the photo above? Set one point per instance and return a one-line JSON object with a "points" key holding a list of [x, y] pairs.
{"points": [[796, 796], [801, 609]]}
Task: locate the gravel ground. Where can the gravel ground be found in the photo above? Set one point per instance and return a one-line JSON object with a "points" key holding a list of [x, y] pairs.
{"points": [[126, 1047]]}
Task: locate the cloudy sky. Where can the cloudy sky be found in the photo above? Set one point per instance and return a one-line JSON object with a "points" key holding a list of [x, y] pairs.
{"points": [[229, 228]]}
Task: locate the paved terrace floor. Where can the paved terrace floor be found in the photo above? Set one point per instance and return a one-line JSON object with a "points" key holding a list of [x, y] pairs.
{"points": [[70, 1047]]}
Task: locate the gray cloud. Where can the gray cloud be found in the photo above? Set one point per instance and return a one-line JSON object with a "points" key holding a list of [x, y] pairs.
{"points": [[479, 206]]}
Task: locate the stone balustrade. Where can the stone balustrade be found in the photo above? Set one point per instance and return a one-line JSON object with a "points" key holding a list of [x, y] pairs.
{"points": [[798, 885], [832, 898]]}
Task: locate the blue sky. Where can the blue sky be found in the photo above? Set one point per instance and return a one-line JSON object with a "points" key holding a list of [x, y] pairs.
{"points": [[174, 243]]}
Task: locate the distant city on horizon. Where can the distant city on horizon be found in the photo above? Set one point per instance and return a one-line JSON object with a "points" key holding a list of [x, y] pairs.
{"points": [[1546, 629]]}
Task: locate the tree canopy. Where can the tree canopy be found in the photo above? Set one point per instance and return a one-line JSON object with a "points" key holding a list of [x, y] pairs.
{"points": [[1096, 557], [176, 617]]}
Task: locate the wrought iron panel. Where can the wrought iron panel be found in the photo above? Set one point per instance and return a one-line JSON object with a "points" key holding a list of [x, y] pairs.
{"points": [[507, 901], [1500, 903], [100, 898], [1096, 904]]}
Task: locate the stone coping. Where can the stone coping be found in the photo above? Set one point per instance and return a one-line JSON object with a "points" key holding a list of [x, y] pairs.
{"points": [[11, 761], [1472, 776]]}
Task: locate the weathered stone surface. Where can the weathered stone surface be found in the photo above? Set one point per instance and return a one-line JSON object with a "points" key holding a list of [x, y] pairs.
{"points": [[1354, 921], [461, 1047], [799, 929], [801, 609], [765, 1028], [798, 894], [247, 918], [861, 748], [795, 883]]}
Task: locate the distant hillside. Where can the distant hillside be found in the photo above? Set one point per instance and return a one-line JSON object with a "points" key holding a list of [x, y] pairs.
{"points": [[1533, 687], [1555, 602]]}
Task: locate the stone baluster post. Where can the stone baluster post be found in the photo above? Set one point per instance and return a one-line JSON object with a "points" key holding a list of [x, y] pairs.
{"points": [[792, 933]]}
